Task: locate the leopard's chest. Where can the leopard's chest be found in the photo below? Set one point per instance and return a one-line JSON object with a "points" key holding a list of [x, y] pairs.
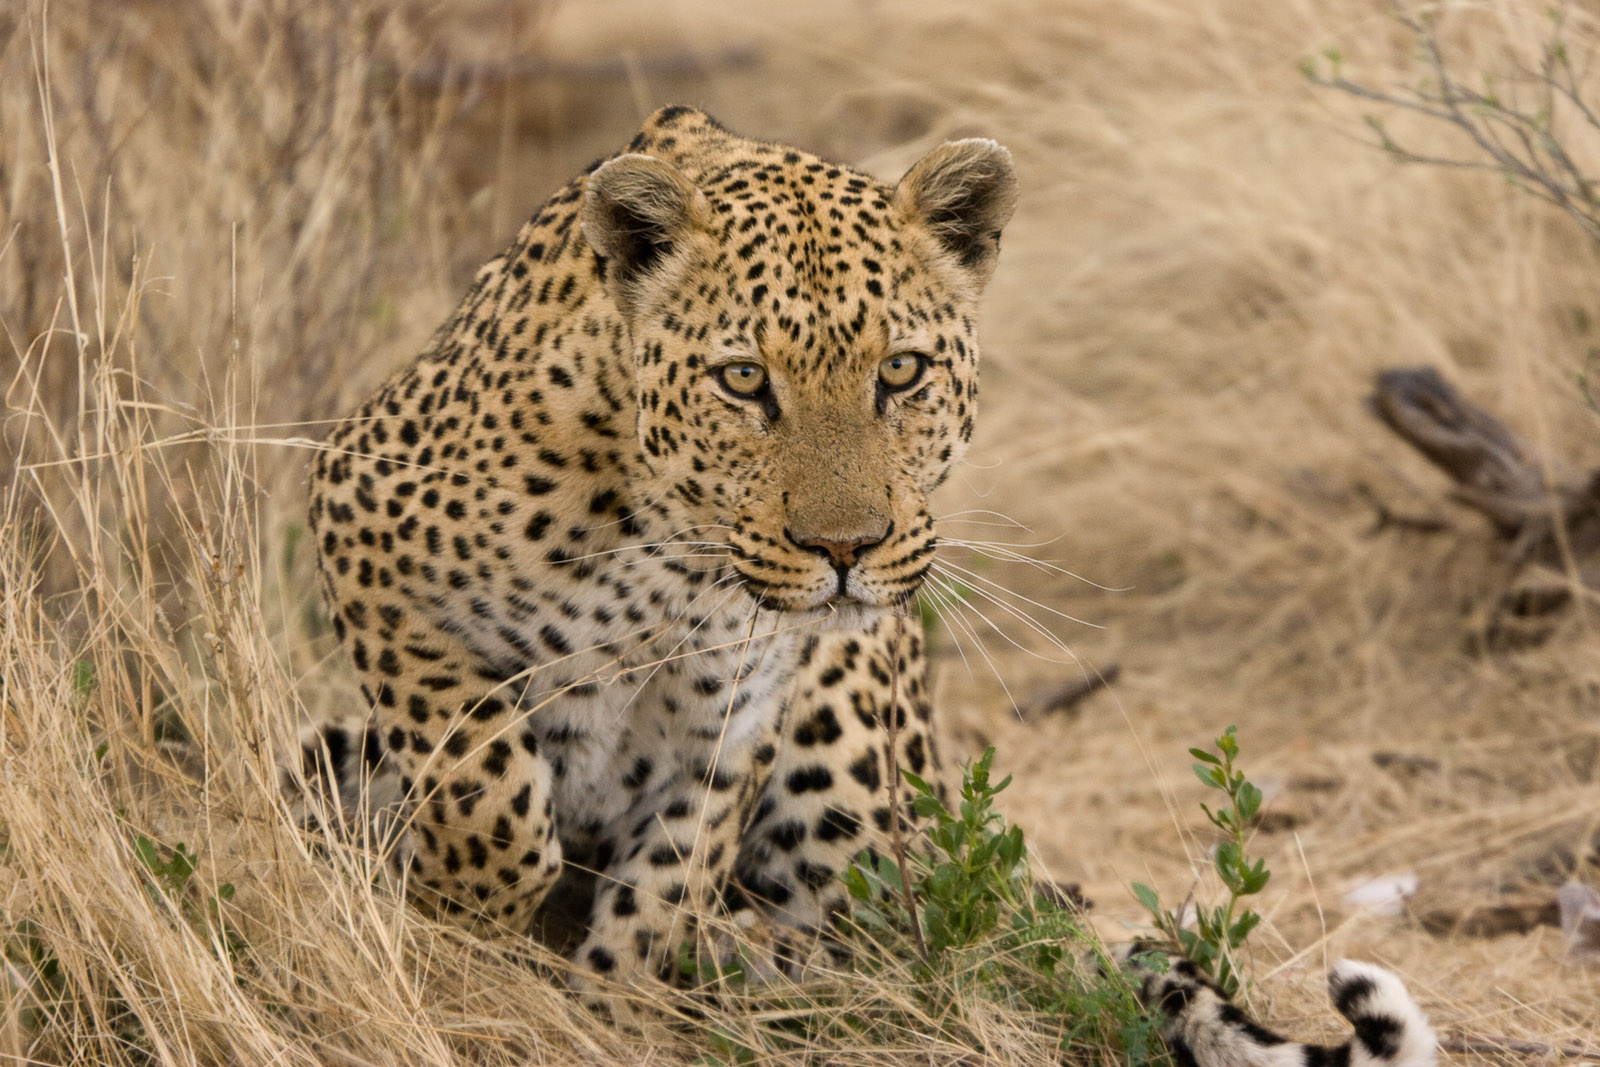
{"points": [[624, 703], [615, 755]]}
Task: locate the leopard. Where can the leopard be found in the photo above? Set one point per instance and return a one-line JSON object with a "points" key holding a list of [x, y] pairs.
{"points": [[626, 560]]}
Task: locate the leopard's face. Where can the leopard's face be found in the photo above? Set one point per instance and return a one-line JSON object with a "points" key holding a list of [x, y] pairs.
{"points": [[805, 359]]}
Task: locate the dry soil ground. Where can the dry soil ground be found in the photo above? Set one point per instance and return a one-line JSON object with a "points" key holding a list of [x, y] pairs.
{"points": [[223, 222]]}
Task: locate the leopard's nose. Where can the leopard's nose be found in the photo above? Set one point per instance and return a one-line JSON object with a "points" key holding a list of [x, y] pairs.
{"points": [[844, 551]]}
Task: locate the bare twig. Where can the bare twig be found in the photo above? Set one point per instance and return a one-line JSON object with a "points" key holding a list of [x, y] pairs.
{"points": [[897, 837], [1386, 518], [1481, 1043], [1550, 519], [1066, 697], [1513, 140]]}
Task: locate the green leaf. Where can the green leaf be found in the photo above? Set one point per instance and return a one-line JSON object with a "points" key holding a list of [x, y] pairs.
{"points": [[1222, 818], [1384, 140], [1255, 879], [1241, 929], [291, 541], [1248, 799], [1147, 897], [688, 966], [147, 853], [1227, 744], [83, 677], [926, 807], [889, 874], [1204, 757], [1012, 848]]}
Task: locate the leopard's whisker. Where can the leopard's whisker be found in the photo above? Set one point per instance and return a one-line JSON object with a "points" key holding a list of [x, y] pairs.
{"points": [[956, 599], [960, 516], [945, 611], [1012, 553], [1024, 618], [967, 574]]}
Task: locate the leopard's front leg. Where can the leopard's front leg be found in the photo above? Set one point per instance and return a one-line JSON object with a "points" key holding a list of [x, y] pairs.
{"points": [[831, 793], [673, 854], [478, 841]]}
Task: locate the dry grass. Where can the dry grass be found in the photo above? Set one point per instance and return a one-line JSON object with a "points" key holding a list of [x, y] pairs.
{"points": [[222, 222]]}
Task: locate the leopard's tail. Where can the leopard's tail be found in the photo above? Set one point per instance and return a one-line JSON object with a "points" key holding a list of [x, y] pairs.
{"points": [[1203, 1027], [346, 784]]}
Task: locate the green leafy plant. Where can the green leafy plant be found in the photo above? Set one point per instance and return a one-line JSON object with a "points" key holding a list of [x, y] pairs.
{"points": [[84, 679], [979, 923], [170, 873], [52, 994], [959, 924], [977, 865], [1221, 930], [31, 959]]}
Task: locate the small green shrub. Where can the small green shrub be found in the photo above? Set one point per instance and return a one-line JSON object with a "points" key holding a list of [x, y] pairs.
{"points": [[32, 959], [1219, 931], [978, 925], [976, 867], [168, 878], [960, 926], [170, 873]]}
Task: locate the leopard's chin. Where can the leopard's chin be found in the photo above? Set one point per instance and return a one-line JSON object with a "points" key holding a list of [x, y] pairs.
{"points": [[843, 613], [829, 609]]}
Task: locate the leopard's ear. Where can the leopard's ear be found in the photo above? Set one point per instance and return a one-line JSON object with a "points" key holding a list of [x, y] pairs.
{"points": [[964, 192], [637, 211]]}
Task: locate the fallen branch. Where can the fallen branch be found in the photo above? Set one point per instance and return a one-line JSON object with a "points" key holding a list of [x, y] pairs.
{"points": [[1478, 1044], [1495, 472], [1550, 516], [1066, 697]]}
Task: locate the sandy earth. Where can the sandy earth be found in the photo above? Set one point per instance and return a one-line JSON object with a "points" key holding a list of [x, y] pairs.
{"points": [[1208, 267]]}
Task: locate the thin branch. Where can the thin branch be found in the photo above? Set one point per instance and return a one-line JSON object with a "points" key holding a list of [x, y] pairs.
{"points": [[1518, 143], [1477, 1044], [1066, 697], [897, 837]]}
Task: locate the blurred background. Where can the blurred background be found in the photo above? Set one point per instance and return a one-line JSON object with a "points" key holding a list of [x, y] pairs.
{"points": [[224, 222]]}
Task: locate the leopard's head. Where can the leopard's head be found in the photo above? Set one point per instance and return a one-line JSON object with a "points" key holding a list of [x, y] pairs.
{"points": [[805, 347]]}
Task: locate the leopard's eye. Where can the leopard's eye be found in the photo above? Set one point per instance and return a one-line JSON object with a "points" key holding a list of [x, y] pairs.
{"points": [[742, 379], [901, 371]]}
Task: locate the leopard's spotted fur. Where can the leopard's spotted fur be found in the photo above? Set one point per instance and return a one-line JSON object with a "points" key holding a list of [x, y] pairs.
{"points": [[622, 559]]}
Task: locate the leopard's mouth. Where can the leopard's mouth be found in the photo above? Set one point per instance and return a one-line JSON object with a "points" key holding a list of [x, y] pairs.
{"points": [[819, 599]]}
